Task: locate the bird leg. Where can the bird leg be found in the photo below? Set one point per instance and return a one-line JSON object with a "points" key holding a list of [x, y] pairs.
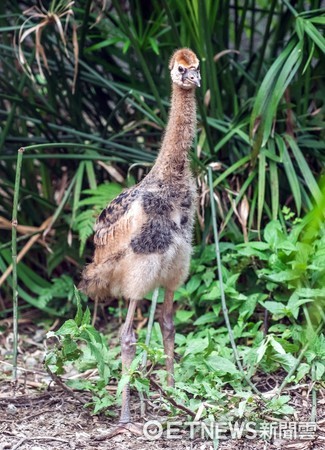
{"points": [[168, 332], [128, 341]]}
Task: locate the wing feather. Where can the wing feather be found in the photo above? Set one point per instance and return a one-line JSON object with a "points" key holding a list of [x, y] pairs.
{"points": [[114, 220]]}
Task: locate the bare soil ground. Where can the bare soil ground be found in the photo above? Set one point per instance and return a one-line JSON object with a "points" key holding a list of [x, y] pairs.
{"points": [[37, 414]]}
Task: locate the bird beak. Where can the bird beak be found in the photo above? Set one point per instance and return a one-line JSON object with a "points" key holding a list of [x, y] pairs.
{"points": [[193, 76]]}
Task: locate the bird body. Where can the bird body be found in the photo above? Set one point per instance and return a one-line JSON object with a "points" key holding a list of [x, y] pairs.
{"points": [[143, 237], [150, 247]]}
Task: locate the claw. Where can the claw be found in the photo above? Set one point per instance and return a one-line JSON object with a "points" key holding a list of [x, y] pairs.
{"points": [[134, 428]]}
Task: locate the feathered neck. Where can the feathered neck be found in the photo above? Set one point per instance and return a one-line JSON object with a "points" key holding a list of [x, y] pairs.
{"points": [[172, 159]]}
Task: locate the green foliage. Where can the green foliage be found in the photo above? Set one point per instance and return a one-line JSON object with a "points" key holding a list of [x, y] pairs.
{"points": [[95, 201], [275, 297], [78, 342], [259, 112], [281, 276]]}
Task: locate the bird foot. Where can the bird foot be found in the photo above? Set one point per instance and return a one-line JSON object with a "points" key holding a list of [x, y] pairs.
{"points": [[134, 428]]}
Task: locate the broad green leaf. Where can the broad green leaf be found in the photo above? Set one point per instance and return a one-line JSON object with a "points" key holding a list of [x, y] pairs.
{"points": [[286, 360], [193, 284], [69, 327], [196, 345], [276, 308], [273, 234], [284, 275], [213, 293], [183, 316], [206, 318], [310, 292], [124, 380], [220, 364]]}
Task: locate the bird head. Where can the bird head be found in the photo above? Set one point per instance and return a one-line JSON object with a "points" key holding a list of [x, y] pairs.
{"points": [[184, 67]]}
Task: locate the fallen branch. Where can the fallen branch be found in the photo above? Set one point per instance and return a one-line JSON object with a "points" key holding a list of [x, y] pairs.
{"points": [[66, 388], [21, 419], [25, 249], [38, 438], [170, 399]]}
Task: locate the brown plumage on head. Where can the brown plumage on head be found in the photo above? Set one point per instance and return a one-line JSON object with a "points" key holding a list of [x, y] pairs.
{"points": [[184, 56]]}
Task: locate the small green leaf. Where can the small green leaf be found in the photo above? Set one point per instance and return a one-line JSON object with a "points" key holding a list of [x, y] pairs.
{"points": [[319, 370], [196, 345], [125, 379], [260, 351], [276, 308], [183, 316], [273, 233], [86, 317], [69, 327], [303, 369], [193, 284], [277, 346], [206, 318]]}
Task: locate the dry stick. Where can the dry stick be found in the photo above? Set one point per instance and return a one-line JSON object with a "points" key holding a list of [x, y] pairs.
{"points": [[25, 249], [66, 388], [31, 416], [23, 229], [14, 263], [170, 399], [223, 299], [40, 372], [37, 438]]}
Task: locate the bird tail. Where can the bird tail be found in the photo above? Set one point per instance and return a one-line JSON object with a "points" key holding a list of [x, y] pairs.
{"points": [[93, 283]]}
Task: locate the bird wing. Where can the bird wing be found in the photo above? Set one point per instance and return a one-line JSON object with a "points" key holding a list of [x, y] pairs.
{"points": [[114, 220]]}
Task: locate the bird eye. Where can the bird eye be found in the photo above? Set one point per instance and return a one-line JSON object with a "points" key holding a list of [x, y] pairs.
{"points": [[181, 69]]}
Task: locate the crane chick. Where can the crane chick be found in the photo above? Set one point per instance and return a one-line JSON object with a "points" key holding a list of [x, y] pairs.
{"points": [[143, 237]]}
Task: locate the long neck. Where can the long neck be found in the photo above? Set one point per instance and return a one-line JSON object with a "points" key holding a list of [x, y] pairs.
{"points": [[172, 160]]}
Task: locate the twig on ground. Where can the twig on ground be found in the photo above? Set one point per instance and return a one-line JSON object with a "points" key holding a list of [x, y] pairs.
{"points": [[38, 438], [40, 372], [170, 399], [66, 388], [31, 416]]}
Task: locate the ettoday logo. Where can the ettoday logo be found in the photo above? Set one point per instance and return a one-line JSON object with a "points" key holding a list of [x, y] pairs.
{"points": [[154, 430]]}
